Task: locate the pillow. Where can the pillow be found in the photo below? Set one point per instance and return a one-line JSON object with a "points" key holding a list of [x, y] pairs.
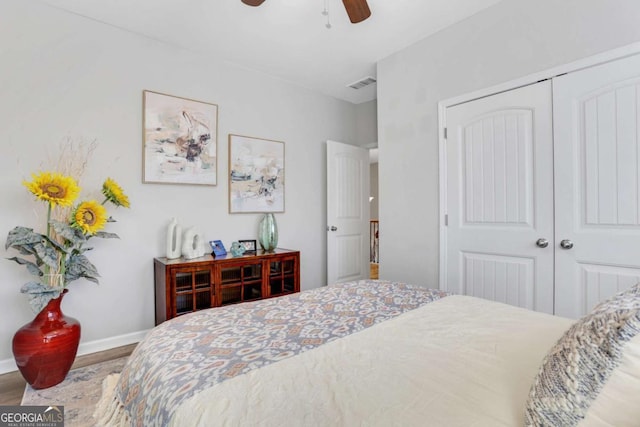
{"points": [[576, 369], [618, 405]]}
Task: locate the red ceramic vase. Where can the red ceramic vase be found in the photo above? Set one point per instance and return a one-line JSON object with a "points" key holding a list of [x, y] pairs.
{"points": [[46, 348]]}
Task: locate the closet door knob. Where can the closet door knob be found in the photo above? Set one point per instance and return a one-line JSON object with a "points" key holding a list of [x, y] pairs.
{"points": [[566, 244], [542, 243]]}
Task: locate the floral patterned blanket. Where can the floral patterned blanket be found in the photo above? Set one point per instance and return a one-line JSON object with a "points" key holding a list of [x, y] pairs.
{"points": [[194, 352]]}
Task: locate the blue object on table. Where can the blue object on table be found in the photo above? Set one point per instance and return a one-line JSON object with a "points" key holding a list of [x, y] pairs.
{"points": [[237, 249]]}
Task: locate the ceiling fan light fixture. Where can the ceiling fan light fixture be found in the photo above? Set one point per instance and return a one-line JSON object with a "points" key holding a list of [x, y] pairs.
{"points": [[253, 2], [358, 10]]}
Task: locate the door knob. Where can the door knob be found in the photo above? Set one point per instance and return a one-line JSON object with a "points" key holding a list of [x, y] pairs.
{"points": [[566, 244], [332, 228], [542, 242]]}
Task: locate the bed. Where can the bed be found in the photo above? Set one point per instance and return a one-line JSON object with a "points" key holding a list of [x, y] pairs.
{"points": [[383, 353]]}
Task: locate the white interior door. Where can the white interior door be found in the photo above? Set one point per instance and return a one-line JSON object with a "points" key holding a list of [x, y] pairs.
{"points": [[597, 158], [499, 160], [347, 212]]}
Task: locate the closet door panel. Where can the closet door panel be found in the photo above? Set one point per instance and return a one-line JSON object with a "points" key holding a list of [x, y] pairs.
{"points": [[500, 197], [597, 183], [600, 282], [506, 279]]}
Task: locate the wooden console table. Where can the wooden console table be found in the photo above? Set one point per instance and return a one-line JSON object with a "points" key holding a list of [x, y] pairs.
{"points": [[184, 286]]}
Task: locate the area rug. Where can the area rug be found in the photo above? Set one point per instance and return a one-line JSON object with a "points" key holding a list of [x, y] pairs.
{"points": [[78, 393]]}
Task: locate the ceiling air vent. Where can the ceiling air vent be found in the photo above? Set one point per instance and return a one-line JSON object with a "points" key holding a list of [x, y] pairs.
{"points": [[366, 81]]}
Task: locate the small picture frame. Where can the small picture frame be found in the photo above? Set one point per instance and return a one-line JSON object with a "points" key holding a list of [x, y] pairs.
{"points": [[249, 246], [217, 247]]}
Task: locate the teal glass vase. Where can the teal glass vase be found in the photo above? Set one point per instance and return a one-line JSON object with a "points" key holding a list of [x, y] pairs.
{"points": [[268, 232]]}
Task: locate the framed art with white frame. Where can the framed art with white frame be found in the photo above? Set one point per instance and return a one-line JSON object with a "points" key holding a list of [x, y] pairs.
{"points": [[256, 175], [180, 140]]}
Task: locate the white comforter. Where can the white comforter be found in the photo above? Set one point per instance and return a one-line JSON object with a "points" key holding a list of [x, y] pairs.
{"points": [[459, 361]]}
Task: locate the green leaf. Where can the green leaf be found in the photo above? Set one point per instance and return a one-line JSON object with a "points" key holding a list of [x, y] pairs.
{"points": [[33, 268], [79, 266], [68, 232], [39, 295], [105, 235], [80, 249], [92, 279], [21, 236], [57, 246], [36, 288], [47, 254], [41, 247], [26, 250]]}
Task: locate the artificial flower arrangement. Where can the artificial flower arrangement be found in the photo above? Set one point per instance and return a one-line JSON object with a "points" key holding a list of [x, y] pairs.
{"points": [[59, 254]]}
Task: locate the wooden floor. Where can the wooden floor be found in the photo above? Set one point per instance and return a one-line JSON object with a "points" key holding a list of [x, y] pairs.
{"points": [[373, 270], [12, 384]]}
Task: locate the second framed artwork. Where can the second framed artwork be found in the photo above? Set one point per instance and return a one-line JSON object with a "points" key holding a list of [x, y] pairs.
{"points": [[256, 175]]}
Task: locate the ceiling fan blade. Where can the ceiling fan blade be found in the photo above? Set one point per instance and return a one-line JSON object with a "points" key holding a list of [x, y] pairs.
{"points": [[253, 2], [358, 10]]}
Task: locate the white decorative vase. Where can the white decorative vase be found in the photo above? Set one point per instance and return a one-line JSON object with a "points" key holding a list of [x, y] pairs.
{"points": [[174, 239], [192, 244]]}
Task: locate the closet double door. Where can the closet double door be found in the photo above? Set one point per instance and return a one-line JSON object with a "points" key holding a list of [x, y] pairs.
{"points": [[543, 191]]}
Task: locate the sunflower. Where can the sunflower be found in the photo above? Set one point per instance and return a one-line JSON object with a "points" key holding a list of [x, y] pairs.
{"points": [[114, 193], [89, 217], [54, 188]]}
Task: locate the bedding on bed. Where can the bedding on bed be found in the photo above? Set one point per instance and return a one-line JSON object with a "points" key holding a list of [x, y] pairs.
{"points": [[378, 353], [187, 355], [457, 362]]}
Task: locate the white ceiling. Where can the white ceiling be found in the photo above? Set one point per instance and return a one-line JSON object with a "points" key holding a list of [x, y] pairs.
{"points": [[286, 38]]}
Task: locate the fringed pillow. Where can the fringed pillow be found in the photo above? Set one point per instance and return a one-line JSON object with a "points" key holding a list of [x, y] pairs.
{"points": [[576, 369]]}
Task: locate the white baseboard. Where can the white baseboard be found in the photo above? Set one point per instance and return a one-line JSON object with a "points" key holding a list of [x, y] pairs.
{"points": [[9, 365]]}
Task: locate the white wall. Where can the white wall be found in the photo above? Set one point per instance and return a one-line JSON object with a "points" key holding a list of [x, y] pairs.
{"points": [[367, 123], [509, 40], [63, 75]]}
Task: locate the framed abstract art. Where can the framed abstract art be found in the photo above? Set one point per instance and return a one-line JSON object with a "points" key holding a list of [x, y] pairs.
{"points": [[180, 140], [256, 175]]}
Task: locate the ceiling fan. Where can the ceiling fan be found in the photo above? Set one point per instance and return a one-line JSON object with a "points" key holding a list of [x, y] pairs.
{"points": [[358, 10]]}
